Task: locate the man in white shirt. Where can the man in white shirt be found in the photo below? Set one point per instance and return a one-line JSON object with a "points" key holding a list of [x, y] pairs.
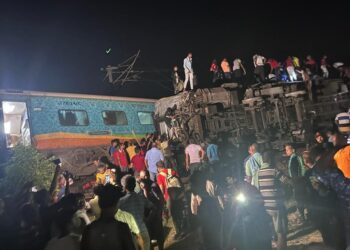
{"points": [[194, 156], [188, 71], [259, 71], [238, 70], [152, 157]]}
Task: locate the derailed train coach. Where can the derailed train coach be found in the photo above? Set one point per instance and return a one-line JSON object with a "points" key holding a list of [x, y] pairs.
{"points": [[275, 113], [74, 128]]}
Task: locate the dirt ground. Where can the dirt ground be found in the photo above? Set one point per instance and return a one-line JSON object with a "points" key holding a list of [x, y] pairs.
{"points": [[300, 237]]}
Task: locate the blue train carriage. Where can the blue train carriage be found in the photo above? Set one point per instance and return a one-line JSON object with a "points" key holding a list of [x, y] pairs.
{"points": [[73, 127]]}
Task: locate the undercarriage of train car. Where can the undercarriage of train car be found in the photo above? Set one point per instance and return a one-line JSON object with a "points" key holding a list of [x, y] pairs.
{"points": [[275, 113]]}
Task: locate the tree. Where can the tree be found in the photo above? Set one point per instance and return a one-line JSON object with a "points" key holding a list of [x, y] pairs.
{"points": [[27, 165]]}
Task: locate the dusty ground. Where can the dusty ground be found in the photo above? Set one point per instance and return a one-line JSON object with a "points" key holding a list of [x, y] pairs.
{"points": [[300, 237]]}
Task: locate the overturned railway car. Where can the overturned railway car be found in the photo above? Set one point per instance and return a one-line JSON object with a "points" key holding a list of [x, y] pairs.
{"points": [[274, 112]]}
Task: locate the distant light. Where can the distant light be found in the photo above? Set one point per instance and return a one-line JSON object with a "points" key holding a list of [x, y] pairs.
{"points": [[7, 127], [7, 107], [108, 50], [241, 197]]}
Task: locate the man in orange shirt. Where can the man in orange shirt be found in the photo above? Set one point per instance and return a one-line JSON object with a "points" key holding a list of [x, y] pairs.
{"points": [[225, 66], [342, 156]]}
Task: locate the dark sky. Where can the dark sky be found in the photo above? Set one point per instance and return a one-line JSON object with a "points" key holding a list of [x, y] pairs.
{"points": [[61, 46]]}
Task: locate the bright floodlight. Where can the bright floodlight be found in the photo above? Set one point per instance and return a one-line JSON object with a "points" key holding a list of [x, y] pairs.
{"points": [[7, 127], [7, 107], [241, 197]]}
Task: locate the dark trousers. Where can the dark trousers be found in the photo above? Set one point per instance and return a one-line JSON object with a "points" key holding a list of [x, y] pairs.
{"points": [[259, 73], [175, 208], [195, 167]]}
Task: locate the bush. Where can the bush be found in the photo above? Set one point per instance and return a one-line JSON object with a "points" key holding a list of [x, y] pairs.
{"points": [[26, 165]]}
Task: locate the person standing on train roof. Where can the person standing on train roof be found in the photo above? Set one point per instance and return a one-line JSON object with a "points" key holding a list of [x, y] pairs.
{"points": [[188, 71]]}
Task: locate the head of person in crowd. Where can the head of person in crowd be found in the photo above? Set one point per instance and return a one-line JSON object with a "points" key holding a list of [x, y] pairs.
{"points": [[160, 166], [144, 174], [101, 169], [329, 134], [214, 62], [123, 180], [253, 148], [189, 55], [114, 143], [122, 146], [154, 144], [320, 139], [191, 141], [145, 185], [289, 149], [130, 184], [175, 68], [143, 141], [269, 158], [137, 150], [108, 197]]}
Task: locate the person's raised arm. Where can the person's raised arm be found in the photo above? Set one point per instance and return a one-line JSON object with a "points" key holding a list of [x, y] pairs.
{"points": [[244, 71]]}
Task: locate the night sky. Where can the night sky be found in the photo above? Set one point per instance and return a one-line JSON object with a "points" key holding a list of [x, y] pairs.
{"points": [[61, 47]]}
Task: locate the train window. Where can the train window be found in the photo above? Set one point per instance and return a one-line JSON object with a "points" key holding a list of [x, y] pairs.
{"points": [[145, 118], [73, 117], [114, 118]]}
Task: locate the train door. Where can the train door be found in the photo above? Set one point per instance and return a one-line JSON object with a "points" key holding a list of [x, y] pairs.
{"points": [[14, 124]]}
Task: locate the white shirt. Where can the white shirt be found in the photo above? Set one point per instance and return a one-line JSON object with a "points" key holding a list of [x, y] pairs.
{"points": [[259, 60], [193, 151], [188, 65], [236, 64]]}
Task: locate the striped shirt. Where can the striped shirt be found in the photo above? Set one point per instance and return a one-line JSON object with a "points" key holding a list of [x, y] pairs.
{"points": [[269, 179], [343, 122]]}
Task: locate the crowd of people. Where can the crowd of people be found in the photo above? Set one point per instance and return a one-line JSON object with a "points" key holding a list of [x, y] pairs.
{"points": [[206, 188], [265, 70]]}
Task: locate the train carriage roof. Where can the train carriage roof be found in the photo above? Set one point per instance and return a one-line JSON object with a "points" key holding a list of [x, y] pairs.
{"points": [[71, 95]]}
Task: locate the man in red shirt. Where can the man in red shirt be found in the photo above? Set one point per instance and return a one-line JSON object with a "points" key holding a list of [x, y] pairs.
{"points": [[138, 162], [121, 159], [173, 201]]}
